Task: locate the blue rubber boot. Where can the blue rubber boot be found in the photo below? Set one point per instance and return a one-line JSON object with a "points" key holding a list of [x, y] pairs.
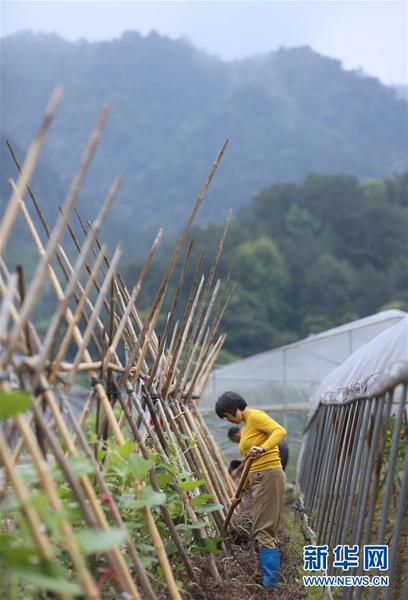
{"points": [[270, 563]]}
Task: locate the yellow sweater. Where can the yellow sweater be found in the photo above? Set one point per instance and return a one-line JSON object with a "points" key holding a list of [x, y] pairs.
{"points": [[261, 430]]}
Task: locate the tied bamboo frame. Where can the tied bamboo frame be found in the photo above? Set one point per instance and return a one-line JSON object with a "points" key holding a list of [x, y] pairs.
{"points": [[118, 351]]}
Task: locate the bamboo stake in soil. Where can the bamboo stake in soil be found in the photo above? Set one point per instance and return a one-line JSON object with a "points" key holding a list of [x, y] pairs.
{"points": [[23, 496], [199, 533], [97, 516], [140, 570], [163, 508], [161, 554], [84, 575]]}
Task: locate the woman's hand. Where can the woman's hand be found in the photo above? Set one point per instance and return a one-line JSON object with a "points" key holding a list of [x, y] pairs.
{"points": [[235, 501], [256, 451]]}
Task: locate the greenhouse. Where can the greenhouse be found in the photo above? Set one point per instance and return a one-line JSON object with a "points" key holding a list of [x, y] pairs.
{"points": [[360, 372], [286, 377]]}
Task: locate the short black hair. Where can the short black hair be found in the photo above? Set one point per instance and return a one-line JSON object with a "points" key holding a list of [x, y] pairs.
{"points": [[233, 431], [229, 403]]}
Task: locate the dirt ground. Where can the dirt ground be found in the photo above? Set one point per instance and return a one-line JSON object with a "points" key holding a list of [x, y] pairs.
{"points": [[241, 574]]}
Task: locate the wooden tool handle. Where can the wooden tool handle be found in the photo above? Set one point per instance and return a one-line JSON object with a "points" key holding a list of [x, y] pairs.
{"points": [[238, 493]]}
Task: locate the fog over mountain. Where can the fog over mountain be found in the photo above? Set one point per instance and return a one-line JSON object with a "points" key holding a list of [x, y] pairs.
{"points": [[287, 114]]}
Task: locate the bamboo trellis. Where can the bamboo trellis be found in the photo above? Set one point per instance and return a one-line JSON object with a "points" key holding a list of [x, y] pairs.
{"points": [[143, 387]]}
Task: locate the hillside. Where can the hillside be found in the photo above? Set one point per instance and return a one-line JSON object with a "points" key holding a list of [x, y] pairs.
{"points": [[286, 114], [307, 257]]}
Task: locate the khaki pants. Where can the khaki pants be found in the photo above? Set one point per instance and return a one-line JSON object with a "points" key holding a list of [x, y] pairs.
{"points": [[268, 489]]}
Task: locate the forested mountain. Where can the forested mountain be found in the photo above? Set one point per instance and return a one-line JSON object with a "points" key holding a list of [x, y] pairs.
{"points": [[287, 114], [308, 257]]}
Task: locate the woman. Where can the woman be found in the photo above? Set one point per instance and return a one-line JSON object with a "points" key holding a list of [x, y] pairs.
{"points": [[260, 437]]}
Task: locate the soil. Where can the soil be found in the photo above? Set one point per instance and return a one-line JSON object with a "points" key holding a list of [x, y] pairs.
{"points": [[241, 575]]}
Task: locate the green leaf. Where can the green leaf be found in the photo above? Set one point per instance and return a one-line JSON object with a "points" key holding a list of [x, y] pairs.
{"points": [[147, 497], [198, 524], [15, 552], [38, 500], [207, 508], [28, 474], [12, 403], [10, 504], [208, 545], [201, 499], [115, 458], [189, 526], [125, 500], [145, 548], [79, 466], [101, 454], [127, 448], [52, 584], [96, 540], [164, 478], [191, 485], [148, 561], [138, 465], [171, 469]]}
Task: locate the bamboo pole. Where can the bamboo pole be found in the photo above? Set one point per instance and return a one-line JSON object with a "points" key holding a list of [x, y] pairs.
{"points": [[120, 565], [27, 171], [33, 292], [73, 281], [213, 447], [187, 228], [6, 305], [163, 508], [145, 343], [23, 496], [191, 354], [98, 288], [213, 266], [77, 315], [98, 516], [195, 468], [200, 534], [62, 260], [171, 313], [123, 294], [134, 295], [140, 570], [40, 465], [210, 335], [161, 554], [121, 287], [182, 339], [169, 358], [207, 471], [209, 365], [82, 349], [222, 492]]}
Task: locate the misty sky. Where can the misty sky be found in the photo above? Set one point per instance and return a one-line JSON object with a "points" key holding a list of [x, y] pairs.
{"points": [[367, 34]]}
